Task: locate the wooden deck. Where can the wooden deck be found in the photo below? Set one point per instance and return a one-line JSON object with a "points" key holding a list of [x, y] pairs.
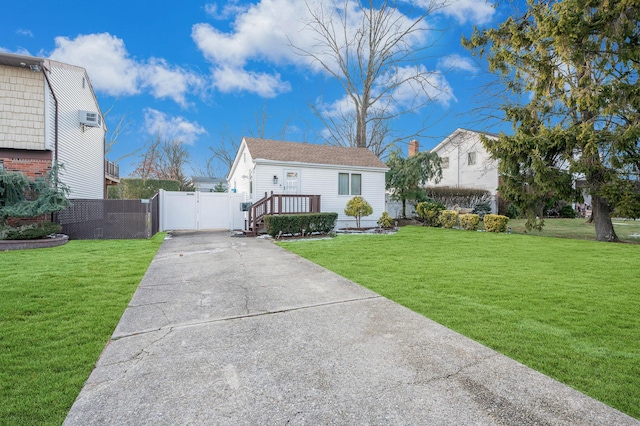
{"points": [[272, 204]]}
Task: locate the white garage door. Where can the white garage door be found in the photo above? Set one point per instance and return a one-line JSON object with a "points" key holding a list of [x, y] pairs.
{"points": [[200, 210]]}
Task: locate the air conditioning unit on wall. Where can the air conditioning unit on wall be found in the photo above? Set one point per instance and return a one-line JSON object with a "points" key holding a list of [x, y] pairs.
{"points": [[90, 119]]}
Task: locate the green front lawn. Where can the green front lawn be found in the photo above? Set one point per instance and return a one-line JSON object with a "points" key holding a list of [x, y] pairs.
{"points": [[567, 308], [58, 308], [627, 230]]}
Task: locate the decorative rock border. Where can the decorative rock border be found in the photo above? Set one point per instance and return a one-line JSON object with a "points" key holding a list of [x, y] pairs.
{"points": [[58, 240]]}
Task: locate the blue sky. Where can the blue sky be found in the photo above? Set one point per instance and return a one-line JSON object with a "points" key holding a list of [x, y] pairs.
{"points": [[198, 70]]}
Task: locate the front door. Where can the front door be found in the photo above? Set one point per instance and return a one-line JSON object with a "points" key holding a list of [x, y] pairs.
{"points": [[292, 181]]}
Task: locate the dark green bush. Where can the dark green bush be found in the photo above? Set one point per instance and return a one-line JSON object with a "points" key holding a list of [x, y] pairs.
{"points": [[30, 232], [134, 189], [512, 212], [568, 212], [298, 224]]}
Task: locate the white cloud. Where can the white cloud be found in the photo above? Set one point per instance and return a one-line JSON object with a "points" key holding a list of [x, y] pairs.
{"points": [[20, 51], [24, 32], [113, 71], [230, 80], [229, 10], [458, 63], [175, 128], [477, 12], [264, 34]]}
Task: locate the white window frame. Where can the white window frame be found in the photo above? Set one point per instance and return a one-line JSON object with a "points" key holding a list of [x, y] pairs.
{"points": [[472, 158]]}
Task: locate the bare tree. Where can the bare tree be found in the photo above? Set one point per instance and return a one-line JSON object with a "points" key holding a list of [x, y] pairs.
{"points": [[225, 152], [164, 159], [114, 135], [377, 63]]}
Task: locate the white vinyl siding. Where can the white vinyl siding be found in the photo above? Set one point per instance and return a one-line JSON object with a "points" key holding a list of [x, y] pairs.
{"points": [[463, 148], [81, 151]]}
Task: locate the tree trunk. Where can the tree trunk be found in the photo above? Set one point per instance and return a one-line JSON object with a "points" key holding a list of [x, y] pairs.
{"points": [[602, 219], [404, 208]]}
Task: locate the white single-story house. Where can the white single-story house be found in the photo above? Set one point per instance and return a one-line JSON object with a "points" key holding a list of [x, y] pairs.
{"points": [[263, 167], [467, 164]]}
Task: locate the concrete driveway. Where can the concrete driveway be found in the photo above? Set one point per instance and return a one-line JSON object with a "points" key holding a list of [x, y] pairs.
{"points": [[236, 331]]}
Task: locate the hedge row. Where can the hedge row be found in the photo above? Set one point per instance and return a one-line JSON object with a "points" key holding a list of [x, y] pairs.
{"points": [[463, 197], [300, 224]]}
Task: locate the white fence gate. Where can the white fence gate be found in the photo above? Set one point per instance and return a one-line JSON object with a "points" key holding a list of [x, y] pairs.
{"points": [[181, 211]]}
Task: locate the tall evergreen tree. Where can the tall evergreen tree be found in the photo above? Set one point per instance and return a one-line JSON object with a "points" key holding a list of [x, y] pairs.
{"points": [[572, 66]]}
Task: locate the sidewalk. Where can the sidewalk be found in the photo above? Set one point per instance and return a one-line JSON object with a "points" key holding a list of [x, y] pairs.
{"points": [[237, 331]]}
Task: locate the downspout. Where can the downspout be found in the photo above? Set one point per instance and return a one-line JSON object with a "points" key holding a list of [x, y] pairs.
{"points": [[55, 101], [55, 126]]}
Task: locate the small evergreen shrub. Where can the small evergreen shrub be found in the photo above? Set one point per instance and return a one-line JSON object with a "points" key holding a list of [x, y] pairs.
{"points": [[568, 212], [512, 212], [495, 223], [32, 231], [482, 209], [469, 222], [429, 212], [448, 218], [385, 220], [299, 224], [358, 207]]}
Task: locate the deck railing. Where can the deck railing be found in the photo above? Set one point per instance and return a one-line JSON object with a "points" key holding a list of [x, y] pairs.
{"points": [[279, 204]]}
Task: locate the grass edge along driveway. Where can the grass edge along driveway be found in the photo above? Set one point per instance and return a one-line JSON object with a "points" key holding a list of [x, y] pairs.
{"points": [[58, 309], [567, 308]]}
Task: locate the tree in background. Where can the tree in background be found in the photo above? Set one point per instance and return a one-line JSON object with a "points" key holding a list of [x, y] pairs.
{"points": [[373, 51], [407, 177], [572, 68], [164, 159], [225, 152]]}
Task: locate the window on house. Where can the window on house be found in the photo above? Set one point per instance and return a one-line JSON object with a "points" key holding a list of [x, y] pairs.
{"points": [[471, 158], [343, 183], [444, 162], [356, 184], [349, 184], [1, 165]]}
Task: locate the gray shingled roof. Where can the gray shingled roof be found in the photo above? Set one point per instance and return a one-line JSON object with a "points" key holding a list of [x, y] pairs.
{"points": [[311, 153]]}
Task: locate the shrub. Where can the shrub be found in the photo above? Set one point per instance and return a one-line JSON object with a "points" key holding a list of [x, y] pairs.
{"points": [[298, 224], [512, 212], [448, 218], [463, 197], [385, 220], [469, 222], [429, 212], [481, 209], [358, 207], [568, 212], [495, 223], [33, 231]]}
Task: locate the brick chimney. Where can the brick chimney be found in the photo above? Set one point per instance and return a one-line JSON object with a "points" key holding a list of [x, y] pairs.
{"points": [[414, 147]]}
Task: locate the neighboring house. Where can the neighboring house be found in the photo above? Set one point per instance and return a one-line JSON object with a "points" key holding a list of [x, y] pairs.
{"points": [[336, 174], [49, 112], [208, 184], [467, 164]]}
